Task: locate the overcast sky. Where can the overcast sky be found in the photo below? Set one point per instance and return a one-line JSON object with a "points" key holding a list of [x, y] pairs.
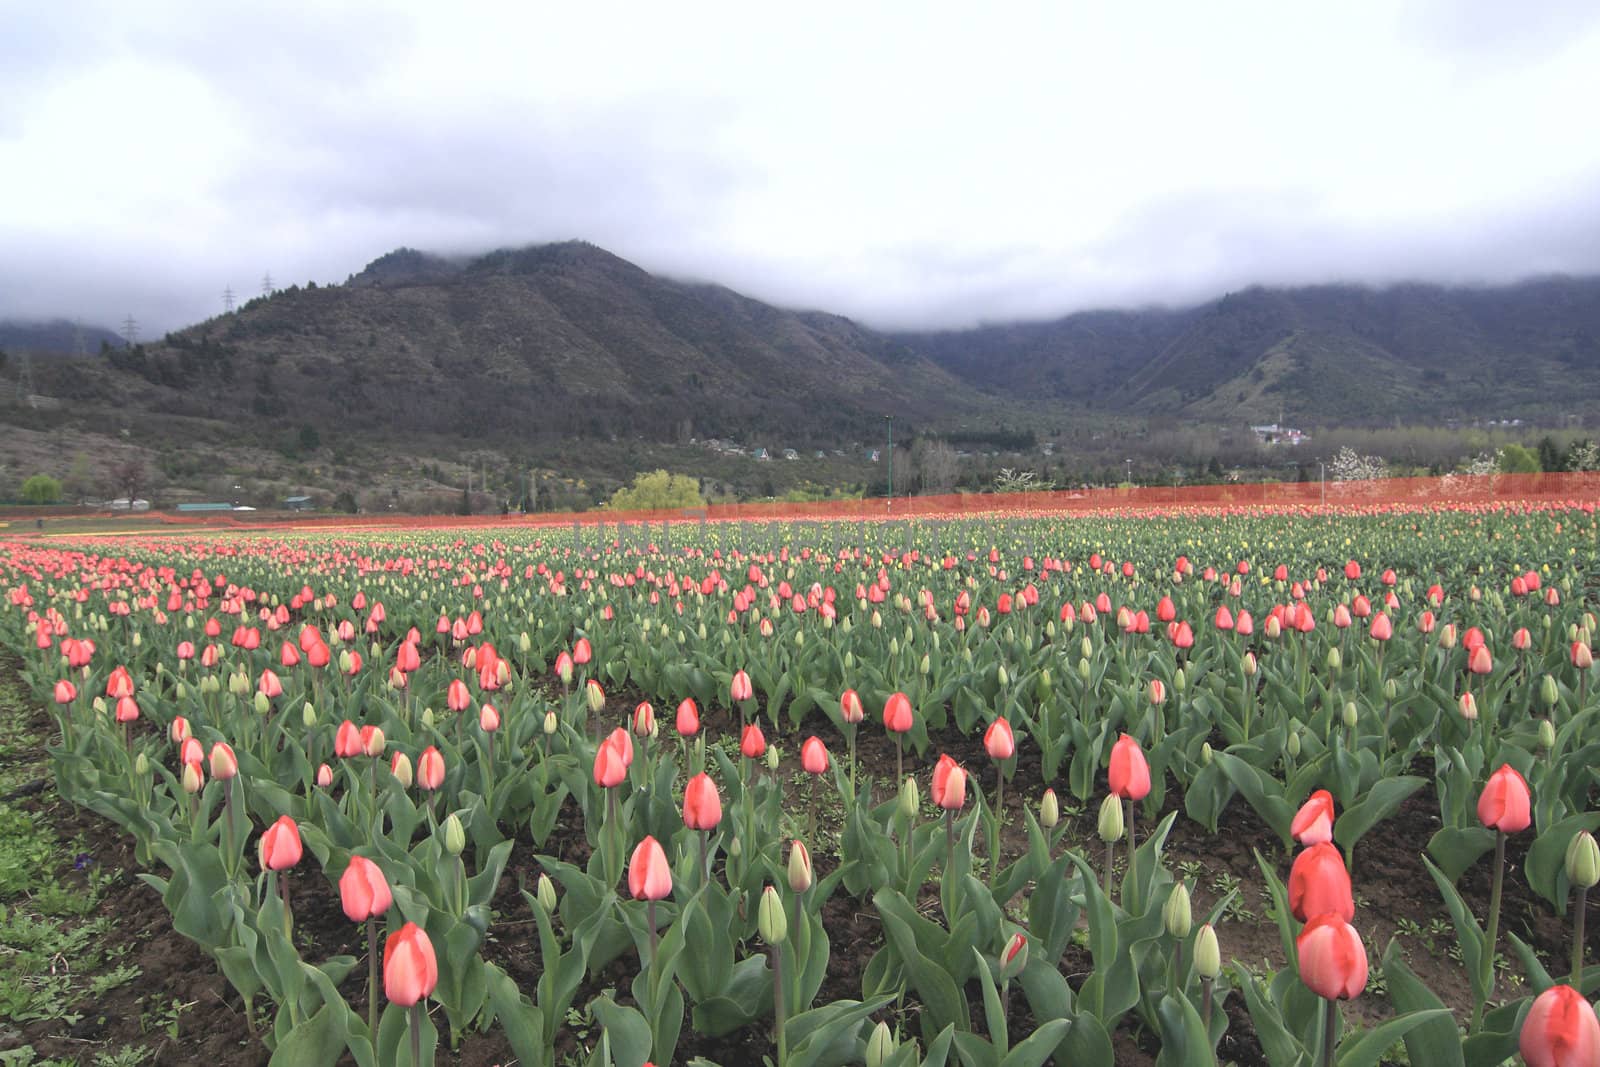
{"points": [[909, 164]]}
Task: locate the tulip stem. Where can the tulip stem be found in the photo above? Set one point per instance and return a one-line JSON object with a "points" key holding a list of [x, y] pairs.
{"points": [[1492, 936], [1205, 1005], [1330, 1030], [227, 825], [288, 911], [777, 1002], [650, 921], [1577, 938], [1133, 856], [949, 840], [1175, 979], [416, 1034], [1111, 856], [372, 978]]}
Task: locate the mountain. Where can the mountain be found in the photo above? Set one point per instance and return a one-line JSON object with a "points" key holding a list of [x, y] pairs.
{"points": [[57, 337], [566, 365], [558, 340], [1324, 355]]}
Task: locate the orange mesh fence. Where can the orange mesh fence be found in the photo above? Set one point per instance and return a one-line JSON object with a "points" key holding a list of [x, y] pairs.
{"points": [[1452, 491]]}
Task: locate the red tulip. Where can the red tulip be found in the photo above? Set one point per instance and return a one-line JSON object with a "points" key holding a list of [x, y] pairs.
{"points": [[224, 764], [897, 716], [949, 787], [999, 741], [178, 730], [649, 877], [1505, 803], [1352, 570], [280, 845], [814, 756], [609, 768], [127, 710], [1560, 1030], [488, 719], [457, 698], [753, 743], [740, 688], [430, 769], [363, 890], [1313, 823], [119, 684], [1580, 655], [850, 708], [688, 723], [582, 653], [1381, 629], [1130, 772], [65, 692], [1333, 962], [563, 668], [1319, 882], [347, 741], [644, 719], [1480, 662], [702, 804], [289, 656], [410, 969], [1224, 618], [1165, 611]]}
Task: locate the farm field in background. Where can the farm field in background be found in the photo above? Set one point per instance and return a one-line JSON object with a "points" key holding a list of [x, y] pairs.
{"points": [[1221, 785]]}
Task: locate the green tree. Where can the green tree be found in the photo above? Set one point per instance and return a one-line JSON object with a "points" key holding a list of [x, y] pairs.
{"points": [[1550, 457], [658, 491], [41, 489], [1514, 459]]}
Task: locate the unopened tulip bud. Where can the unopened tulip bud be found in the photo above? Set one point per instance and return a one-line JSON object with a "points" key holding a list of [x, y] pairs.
{"points": [[344, 661], [1390, 689], [771, 922], [1177, 915], [596, 697], [1001, 676], [455, 836], [427, 717], [1469, 707], [880, 1046], [400, 767], [1583, 861], [551, 722], [1014, 957], [1088, 648], [772, 757], [1335, 660], [180, 690], [1207, 953], [1547, 734], [1351, 715], [1180, 681], [1049, 810], [547, 893], [324, 776], [1292, 745], [1548, 692], [1111, 825], [1045, 684], [263, 705], [1206, 754], [1083, 669], [1250, 664], [193, 778], [141, 765], [800, 875], [909, 801], [735, 849]]}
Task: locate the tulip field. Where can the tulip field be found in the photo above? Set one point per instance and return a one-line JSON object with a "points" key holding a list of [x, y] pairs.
{"points": [[1286, 787]]}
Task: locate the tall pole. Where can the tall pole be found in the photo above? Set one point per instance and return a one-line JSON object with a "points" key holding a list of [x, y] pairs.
{"points": [[889, 506], [1322, 480]]}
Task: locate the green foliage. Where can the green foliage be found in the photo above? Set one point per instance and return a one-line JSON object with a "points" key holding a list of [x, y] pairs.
{"points": [[658, 491], [1514, 459], [41, 489]]}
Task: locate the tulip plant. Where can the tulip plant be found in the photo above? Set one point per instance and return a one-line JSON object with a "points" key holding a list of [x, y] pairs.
{"points": [[981, 737]]}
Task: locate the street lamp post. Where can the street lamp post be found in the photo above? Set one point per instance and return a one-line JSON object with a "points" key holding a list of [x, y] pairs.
{"points": [[1322, 481], [889, 504]]}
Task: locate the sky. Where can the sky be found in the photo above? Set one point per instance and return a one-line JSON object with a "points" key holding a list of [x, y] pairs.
{"points": [[910, 164]]}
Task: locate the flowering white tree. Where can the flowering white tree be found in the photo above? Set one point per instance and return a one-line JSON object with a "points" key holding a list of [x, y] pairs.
{"points": [[1485, 463], [1348, 466], [1584, 457]]}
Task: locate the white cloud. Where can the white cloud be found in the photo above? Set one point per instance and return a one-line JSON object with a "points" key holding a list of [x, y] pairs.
{"points": [[901, 162]]}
